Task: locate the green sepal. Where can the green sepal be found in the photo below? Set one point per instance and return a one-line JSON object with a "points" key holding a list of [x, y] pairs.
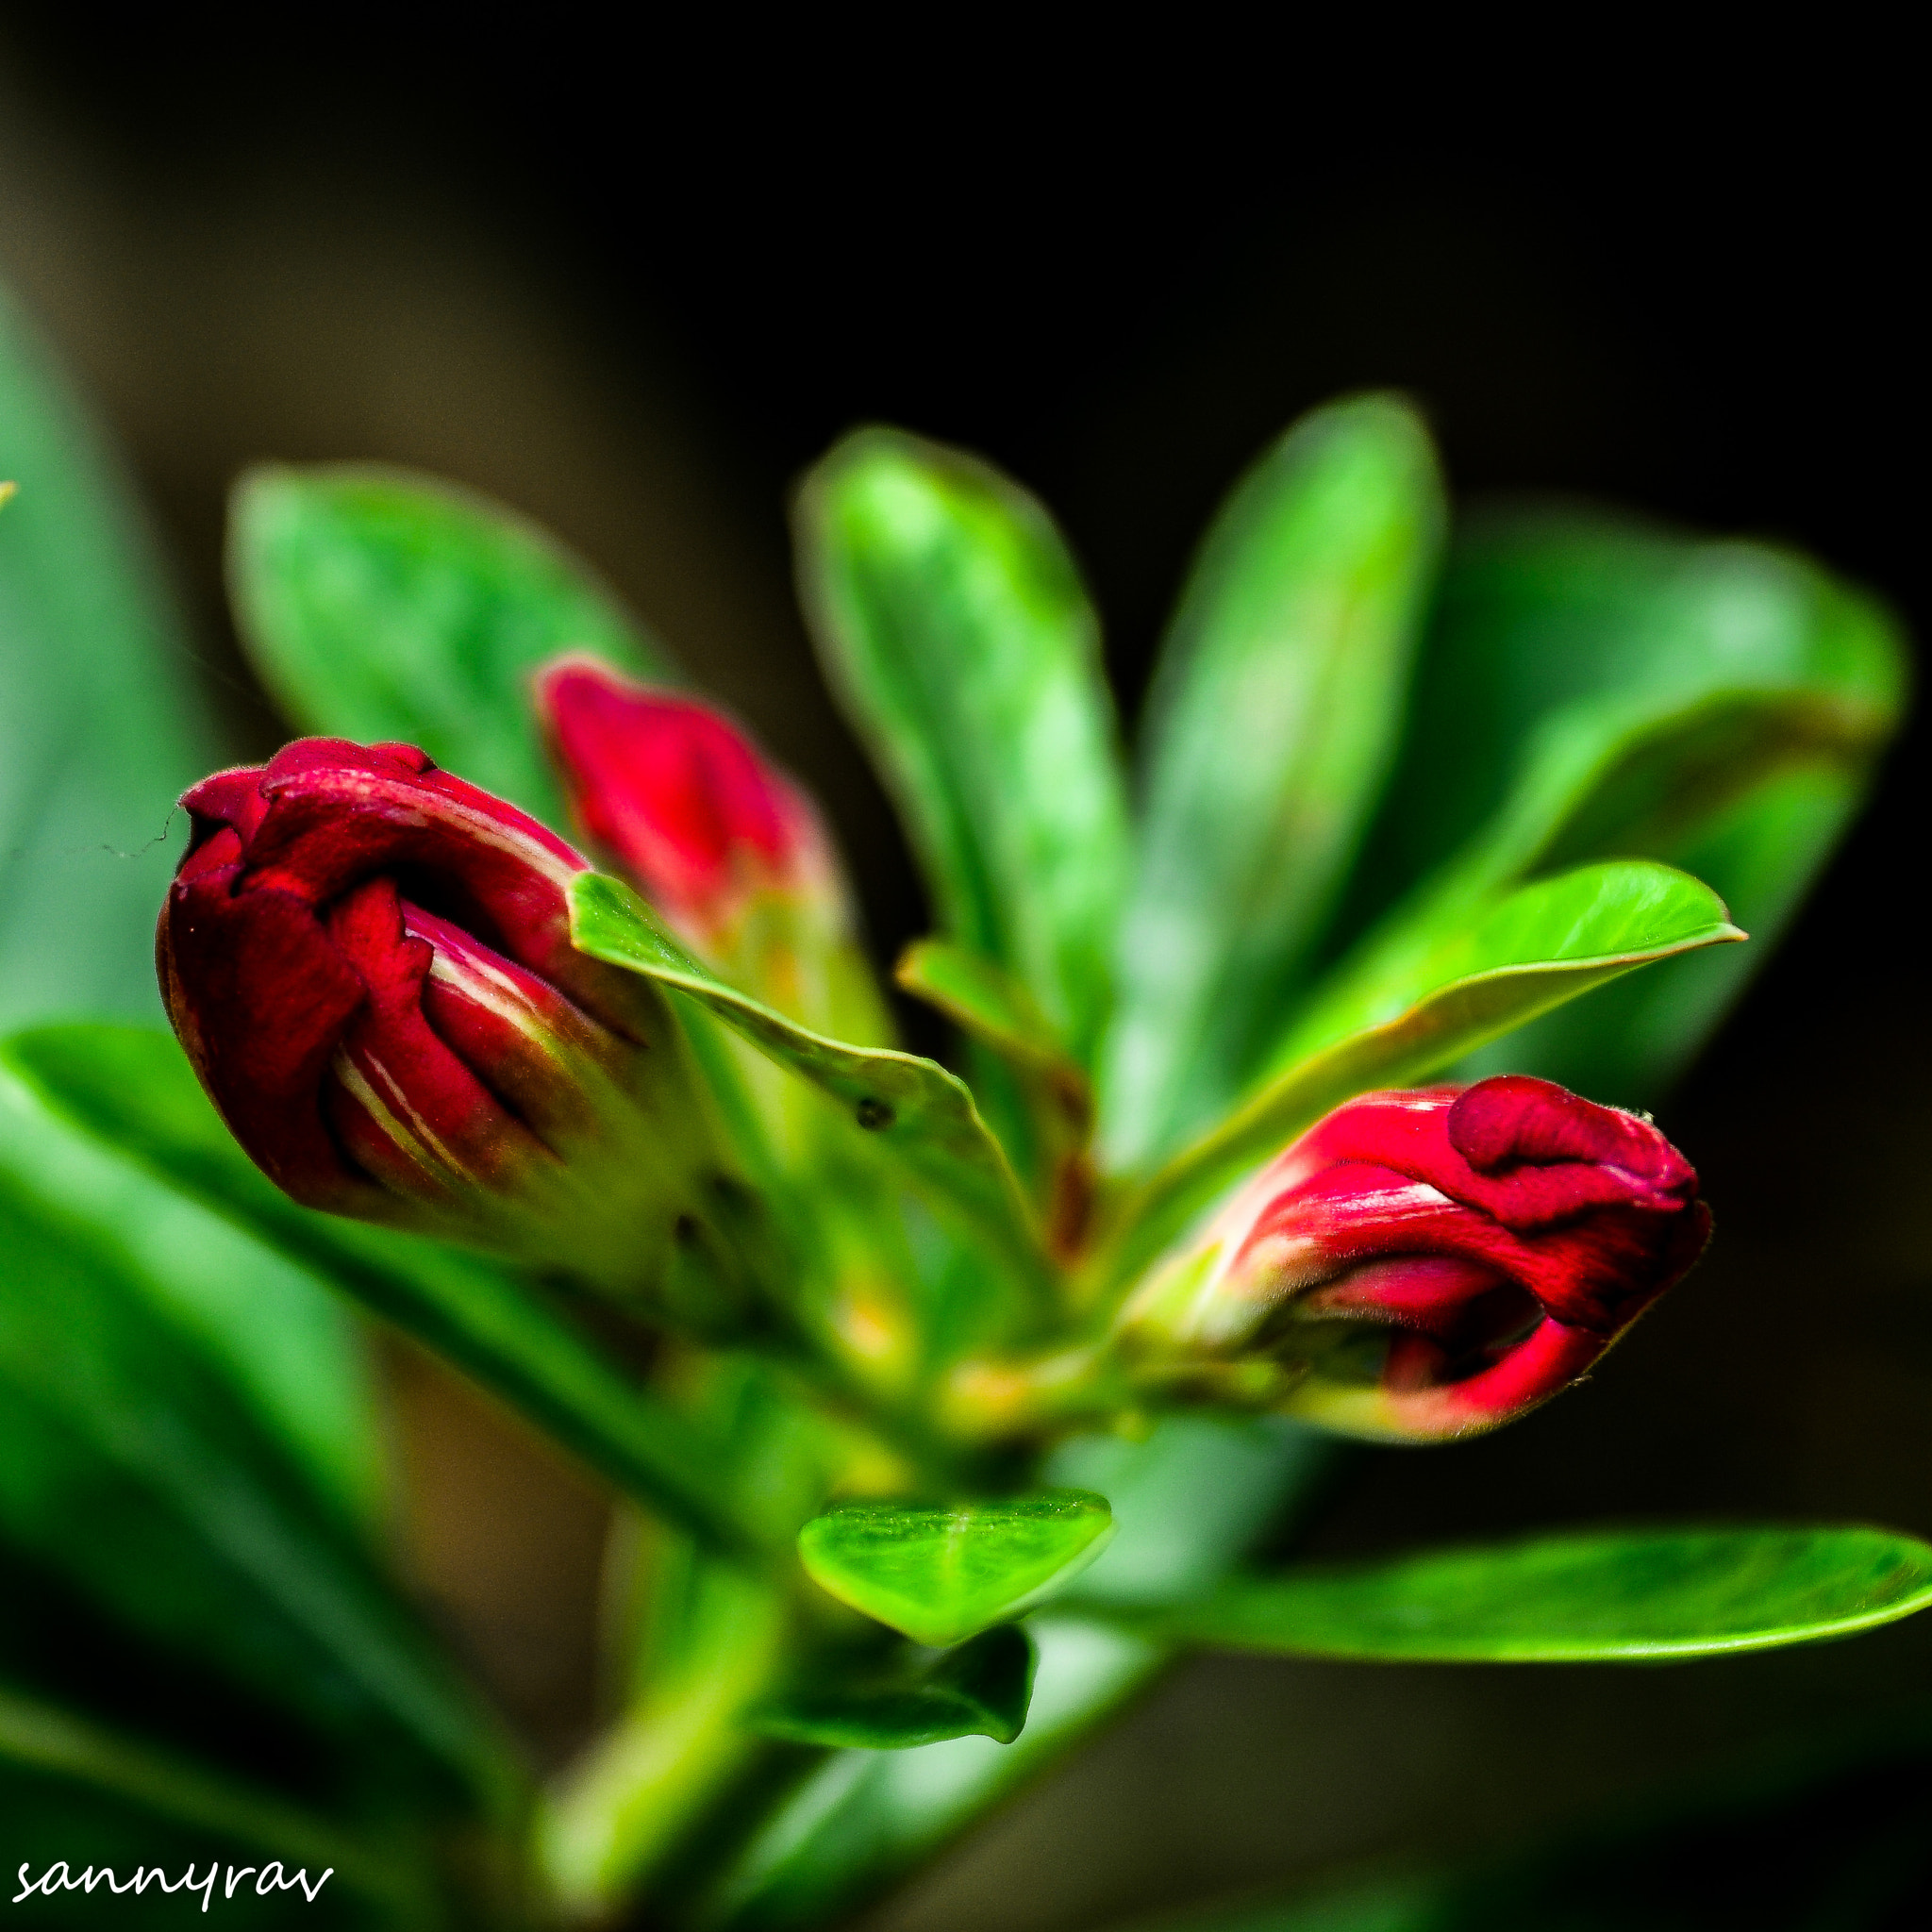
{"points": [[940, 1572], [1402, 1016], [953, 625], [380, 604], [134, 1089], [979, 1689], [1590, 1596], [1272, 726], [910, 1105]]}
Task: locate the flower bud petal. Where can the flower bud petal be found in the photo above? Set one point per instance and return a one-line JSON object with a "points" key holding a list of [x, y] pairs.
{"points": [[1428, 1264], [681, 798], [369, 963]]}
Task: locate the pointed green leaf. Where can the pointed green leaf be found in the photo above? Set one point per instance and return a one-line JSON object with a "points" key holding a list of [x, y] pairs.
{"points": [[981, 1689], [1593, 688], [1270, 729], [952, 625], [134, 1089], [911, 1105], [380, 604], [100, 729], [1591, 1596], [1401, 1017], [859, 1823], [940, 1573]]}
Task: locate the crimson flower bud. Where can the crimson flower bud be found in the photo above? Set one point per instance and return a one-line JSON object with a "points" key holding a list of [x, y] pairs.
{"points": [[681, 798], [369, 963], [1424, 1265]]}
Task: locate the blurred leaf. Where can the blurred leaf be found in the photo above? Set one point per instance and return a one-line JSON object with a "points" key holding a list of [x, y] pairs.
{"points": [[864, 1819], [100, 729], [910, 1105], [953, 625], [983, 1000], [1596, 688], [378, 604], [1587, 1596], [67, 1772], [979, 1690], [1019, 1063], [286, 1345], [135, 1090], [128, 1467], [1402, 1014], [939, 1574], [1272, 726]]}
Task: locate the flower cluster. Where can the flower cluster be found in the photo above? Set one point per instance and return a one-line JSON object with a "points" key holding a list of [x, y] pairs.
{"points": [[369, 965]]}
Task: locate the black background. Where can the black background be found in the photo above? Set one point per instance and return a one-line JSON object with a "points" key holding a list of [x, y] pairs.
{"points": [[1678, 277]]}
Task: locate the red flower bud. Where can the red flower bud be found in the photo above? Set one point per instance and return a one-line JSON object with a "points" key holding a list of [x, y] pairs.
{"points": [[369, 963], [682, 799], [1429, 1264]]}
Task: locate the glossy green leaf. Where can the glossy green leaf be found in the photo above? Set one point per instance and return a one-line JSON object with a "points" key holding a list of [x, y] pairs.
{"points": [[981, 1689], [865, 1819], [73, 1770], [380, 604], [910, 1105], [1596, 688], [940, 1573], [1273, 722], [1590, 1596], [129, 1468], [1400, 1016], [952, 625], [99, 726], [135, 1090]]}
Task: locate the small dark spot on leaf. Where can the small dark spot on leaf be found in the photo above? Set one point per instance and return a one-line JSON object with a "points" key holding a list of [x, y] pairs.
{"points": [[685, 1229], [873, 1114]]}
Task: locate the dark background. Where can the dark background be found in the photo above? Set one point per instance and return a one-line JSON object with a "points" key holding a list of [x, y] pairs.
{"points": [[634, 284]]}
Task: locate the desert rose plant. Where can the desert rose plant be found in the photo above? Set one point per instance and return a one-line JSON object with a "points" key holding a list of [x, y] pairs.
{"points": [[523, 1005]]}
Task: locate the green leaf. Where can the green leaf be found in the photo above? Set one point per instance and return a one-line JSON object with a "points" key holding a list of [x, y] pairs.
{"points": [[130, 1469], [865, 1819], [134, 1089], [940, 1573], [1591, 1597], [1594, 688], [985, 1000], [1399, 1015], [952, 625], [99, 727], [378, 604], [981, 1690], [1271, 727], [285, 1344], [911, 1105]]}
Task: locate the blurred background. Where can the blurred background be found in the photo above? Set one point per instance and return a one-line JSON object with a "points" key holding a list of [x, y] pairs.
{"points": [[632, 286]]}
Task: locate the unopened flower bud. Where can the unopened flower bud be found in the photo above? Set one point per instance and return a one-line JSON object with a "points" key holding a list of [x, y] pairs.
{"points": [[1424, 1265], [369, 963], [732, 854]]}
